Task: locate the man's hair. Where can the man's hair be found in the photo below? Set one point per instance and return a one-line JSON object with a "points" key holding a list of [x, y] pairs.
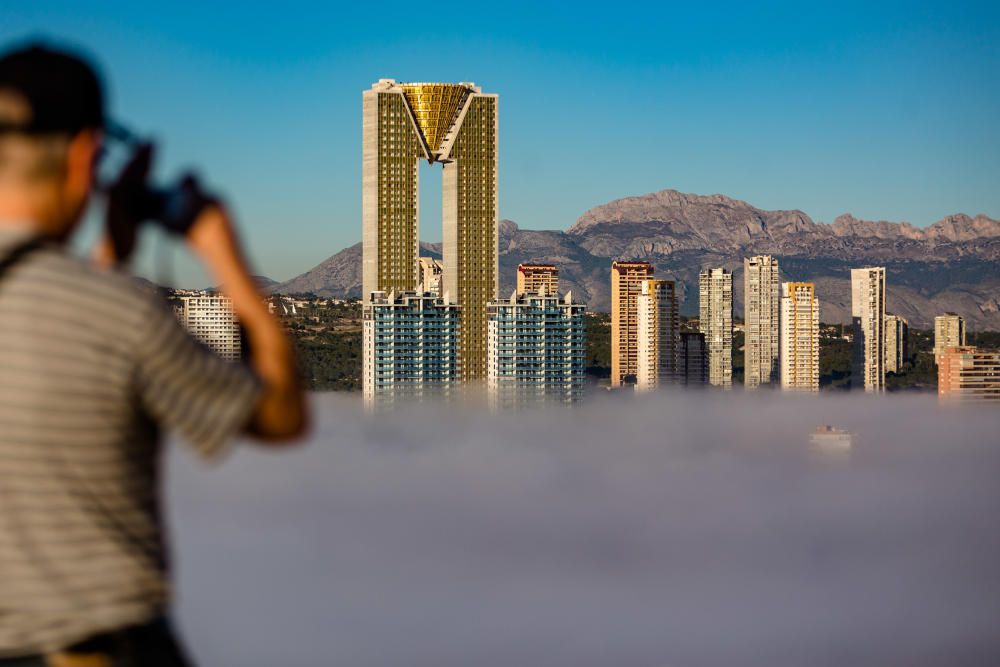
{"points": [[62, 90], [46, 97]]}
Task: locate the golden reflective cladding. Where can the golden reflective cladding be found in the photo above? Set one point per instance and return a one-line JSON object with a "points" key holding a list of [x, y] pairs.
{"points": [[435, 106]]}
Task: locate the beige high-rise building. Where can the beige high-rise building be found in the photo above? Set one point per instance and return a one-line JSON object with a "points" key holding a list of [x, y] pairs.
{"points": [[715, 289], [761, 299], [897, 330], [626, 285], [533, 278], [430, 275], [799, 337], [868, 321], [658, 325], [456, 125], [949, 331]]}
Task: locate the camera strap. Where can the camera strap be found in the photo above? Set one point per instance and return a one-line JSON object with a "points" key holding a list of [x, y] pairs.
{"points": [[18, 253]]}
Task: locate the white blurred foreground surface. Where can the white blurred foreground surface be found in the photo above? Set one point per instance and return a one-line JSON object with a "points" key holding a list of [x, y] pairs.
{"points": [[673, 530]]}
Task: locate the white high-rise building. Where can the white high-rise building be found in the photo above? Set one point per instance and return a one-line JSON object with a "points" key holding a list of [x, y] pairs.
{"points": [[799, 337], [537, 350], [210, 319], [658, 324], [868, 320], [716, 322], [430, 275], [410, 349], [949, 331], [760, 317]]}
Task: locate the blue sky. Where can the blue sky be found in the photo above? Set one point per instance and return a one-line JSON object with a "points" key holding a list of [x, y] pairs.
{"points": [[888, 112]]}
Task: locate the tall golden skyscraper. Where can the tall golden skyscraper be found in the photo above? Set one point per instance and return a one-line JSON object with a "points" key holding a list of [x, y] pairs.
{"points": [[626, 286], [456, 125]]}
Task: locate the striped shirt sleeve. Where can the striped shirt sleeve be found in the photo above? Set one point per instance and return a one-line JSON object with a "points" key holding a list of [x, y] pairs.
{"points": [[185, 387]]}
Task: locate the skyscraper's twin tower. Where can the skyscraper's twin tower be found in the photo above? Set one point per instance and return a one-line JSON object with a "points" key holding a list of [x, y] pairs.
{"points": [[455, 124]]}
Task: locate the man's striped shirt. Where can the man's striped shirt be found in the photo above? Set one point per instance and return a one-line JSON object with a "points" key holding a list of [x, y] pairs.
{"points": [[91, 369]]}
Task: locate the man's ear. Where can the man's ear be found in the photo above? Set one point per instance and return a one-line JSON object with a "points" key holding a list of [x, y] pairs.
{"points": [[81, 154]]}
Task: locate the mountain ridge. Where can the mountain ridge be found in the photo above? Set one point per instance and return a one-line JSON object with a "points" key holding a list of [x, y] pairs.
{"points": [[953, 264]]}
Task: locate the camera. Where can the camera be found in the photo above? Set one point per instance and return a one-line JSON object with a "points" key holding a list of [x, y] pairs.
{"points": [[132, 198]]}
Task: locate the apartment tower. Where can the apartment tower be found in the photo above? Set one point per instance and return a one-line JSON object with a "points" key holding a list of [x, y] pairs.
{"points": [[799, 337], [761, 299], [456, 125], [210, 318], [658, 324], [897, 330], [537, 346], [626, 285], [949, 331], [969, 374], [410, 347], [533, 278], [692, 359], [715, 289], [868, 322]]}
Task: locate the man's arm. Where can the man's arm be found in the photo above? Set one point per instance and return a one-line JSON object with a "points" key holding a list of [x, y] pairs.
{"points": [[281, 412]]}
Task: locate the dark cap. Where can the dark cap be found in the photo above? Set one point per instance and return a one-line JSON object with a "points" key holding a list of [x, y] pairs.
{"points": [[61, 89]]}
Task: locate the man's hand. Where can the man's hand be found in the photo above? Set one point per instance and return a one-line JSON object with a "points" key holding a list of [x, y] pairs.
{"points": [[126, 205], [281, 411]]}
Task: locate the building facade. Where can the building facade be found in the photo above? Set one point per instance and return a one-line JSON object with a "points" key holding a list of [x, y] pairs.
{"points": [[658, 327], [715, 289], [897, 350], [949, 331], [799, 337], [537, 350], [210, 319], [626, 285], [868, 323], [456, 125], [533, 278], [410, 347], [969, 374], [761, 298], [692, 359], [430, 275]]}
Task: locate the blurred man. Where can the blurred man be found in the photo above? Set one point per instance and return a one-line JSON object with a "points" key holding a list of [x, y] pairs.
{"points": [[92, 370]]}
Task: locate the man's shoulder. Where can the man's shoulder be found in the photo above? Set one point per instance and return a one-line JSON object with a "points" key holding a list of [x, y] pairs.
{"points": [[65, 272]]}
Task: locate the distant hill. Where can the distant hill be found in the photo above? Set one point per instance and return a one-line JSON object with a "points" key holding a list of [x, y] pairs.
{"points": [[952, 265], [263, 283]]}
